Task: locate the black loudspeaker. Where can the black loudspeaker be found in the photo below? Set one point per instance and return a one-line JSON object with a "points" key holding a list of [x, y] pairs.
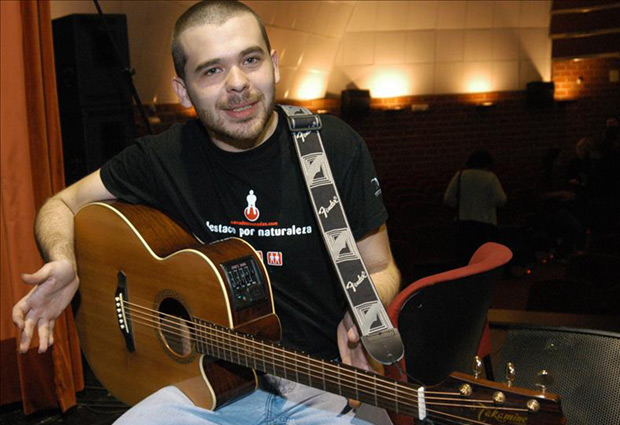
{"points": [[584, 364], [94, 96], [355, 102], [540, 94], [92, 135], [87, 67]]}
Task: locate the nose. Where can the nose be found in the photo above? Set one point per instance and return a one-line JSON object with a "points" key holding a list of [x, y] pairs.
{"points": [[236, 80]]}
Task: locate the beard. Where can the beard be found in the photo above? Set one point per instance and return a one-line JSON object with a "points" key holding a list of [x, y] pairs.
{"points": [[242, 134]]}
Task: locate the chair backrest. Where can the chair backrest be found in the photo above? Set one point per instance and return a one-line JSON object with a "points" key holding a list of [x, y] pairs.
{"points": [[441, 317]]}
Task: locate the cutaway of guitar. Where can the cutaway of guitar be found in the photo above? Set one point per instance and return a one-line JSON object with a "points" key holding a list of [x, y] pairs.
{"points": [[158, 308]]}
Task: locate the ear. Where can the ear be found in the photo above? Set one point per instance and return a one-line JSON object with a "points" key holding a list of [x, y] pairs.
{"points": [[276, 65], [178, 85]]}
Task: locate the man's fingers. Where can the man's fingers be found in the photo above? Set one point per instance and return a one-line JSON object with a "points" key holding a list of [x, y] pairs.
{"points": [[51, 334], [37, 277], [44, 335], [18, 315], [353, 335], [354, 404], [26, 335]]}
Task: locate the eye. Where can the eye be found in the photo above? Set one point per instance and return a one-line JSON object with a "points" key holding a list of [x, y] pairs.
{"points": [[212, 71], [252, 60]]}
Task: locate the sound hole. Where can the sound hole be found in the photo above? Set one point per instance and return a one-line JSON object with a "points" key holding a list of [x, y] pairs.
{"points": [[175, 327]]}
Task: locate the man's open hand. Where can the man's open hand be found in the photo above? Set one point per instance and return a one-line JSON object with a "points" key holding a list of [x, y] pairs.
{"points": [[55, 284]]}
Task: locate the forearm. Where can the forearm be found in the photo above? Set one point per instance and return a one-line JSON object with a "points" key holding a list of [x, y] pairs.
{"points": [[54, 231], [377, 255], [387, 281]]}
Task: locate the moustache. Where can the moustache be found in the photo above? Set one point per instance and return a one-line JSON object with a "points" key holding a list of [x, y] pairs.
{"points": [[235, 100]]}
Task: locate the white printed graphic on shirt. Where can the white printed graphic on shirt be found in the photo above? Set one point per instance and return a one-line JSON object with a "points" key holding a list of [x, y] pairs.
{"points": [[251, 212]]}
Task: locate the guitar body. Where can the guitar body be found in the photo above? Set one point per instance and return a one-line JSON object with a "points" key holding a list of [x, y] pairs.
{"points": [[168, 278]]}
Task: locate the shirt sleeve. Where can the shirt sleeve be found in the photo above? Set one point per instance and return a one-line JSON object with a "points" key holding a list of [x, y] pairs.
{"points": [[356, 179], [129, 175]]}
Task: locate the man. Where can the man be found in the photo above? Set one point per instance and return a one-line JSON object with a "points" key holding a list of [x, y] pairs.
{"points": [[234, 165]]}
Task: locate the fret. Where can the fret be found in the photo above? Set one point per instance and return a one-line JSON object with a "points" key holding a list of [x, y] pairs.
{"points": [[305, 377], [356, 387], [255, 355], [339, 382], [218, 347], [374, 380], [284, 370], [225, 345], [273, 364], [246, 353], [309, 368], [233, 352], [396, 403]]}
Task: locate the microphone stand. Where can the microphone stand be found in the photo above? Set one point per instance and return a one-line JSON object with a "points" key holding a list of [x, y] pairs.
{"points": [[127, 71]]}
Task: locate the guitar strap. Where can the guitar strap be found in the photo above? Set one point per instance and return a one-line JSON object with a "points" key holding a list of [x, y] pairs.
{"points": [[379, 338]]}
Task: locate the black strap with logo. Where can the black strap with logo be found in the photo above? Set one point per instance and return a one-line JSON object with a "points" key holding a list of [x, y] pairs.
{"points": [[379, 338]]}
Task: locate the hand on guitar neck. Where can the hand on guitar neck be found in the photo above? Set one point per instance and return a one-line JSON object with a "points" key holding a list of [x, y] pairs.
{"points": [[351, 349]]}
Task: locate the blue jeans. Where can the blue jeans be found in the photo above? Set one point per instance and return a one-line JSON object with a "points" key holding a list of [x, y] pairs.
{"points": [[277, 403]]}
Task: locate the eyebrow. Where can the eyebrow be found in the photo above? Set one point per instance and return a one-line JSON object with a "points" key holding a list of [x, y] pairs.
{"points": [[211, 62]]}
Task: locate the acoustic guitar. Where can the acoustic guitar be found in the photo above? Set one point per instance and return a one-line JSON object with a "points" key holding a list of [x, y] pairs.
{"points": [[157, 308]]}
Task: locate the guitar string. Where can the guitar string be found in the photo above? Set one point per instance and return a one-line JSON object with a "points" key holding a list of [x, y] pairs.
{"points": [[305, 359], [414, 407], [409, 408], [172, 325], [431, 413], [373, 388], [233, 349]]}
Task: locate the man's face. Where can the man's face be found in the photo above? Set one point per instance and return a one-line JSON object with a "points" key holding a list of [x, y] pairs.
{"points": [[230, 80]]}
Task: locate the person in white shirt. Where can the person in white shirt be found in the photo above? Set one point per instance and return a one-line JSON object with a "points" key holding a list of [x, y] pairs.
{"points": [[476, 192]]}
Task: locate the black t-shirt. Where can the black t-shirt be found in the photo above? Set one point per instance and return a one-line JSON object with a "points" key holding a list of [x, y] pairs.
{"points": [[260, 196]]}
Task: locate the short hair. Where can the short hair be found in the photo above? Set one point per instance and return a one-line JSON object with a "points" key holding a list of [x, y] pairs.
{"points": [[480, 160], [208, 12]]}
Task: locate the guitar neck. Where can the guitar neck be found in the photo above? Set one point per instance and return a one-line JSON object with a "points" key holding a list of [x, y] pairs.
{"points": [[332, 377]]}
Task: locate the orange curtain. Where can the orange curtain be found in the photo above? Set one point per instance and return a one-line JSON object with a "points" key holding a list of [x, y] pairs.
{"points": [[31, 160]]}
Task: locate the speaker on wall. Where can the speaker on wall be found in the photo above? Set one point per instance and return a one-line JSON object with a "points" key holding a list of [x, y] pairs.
{"points": [[94, 96], [92, 135], [540, 94], [354, 102], [87, 66], [584, 365]]}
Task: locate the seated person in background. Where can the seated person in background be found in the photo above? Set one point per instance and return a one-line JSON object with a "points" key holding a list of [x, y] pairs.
{"points": [[476, 192]]}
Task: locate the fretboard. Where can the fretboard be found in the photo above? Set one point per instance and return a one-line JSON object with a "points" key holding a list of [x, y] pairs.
{"points": [[272, 358]]}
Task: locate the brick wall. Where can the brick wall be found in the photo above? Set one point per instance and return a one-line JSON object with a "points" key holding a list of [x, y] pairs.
{"points": [[423, 149]]}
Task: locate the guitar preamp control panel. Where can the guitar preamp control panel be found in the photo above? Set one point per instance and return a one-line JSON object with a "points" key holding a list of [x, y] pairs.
{"points": [[245, 282]]}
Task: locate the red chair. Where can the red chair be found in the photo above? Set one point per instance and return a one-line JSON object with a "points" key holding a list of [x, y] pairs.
{"points": [[442, 318]]}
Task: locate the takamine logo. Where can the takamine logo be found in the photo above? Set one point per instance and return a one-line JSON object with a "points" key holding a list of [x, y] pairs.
{"points": [[499, 417], [251, 212]]}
